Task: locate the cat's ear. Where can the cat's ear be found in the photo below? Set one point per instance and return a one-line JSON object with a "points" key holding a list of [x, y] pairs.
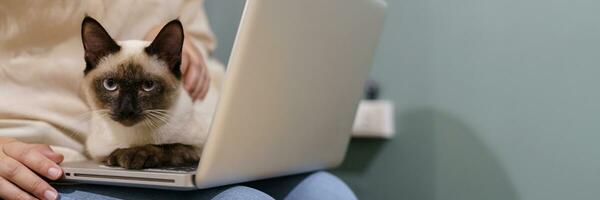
{"points": [[167, 46], [97, 43]]}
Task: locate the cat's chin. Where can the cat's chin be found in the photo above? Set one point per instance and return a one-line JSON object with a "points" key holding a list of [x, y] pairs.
{"points": [[128, 122]]}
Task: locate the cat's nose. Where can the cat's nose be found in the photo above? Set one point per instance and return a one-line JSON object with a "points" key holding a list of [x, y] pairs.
{"points": [[127, 108], [126, 113], [127, 117]]}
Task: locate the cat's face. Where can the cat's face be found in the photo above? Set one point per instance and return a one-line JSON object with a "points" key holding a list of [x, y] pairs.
{"points": [[131, 80]]}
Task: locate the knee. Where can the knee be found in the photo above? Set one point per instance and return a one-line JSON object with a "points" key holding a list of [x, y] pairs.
{"points": [[242, 192], [321, 185]]}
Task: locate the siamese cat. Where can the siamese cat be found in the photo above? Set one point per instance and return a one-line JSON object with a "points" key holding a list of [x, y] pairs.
{"points": [[141, 115]]}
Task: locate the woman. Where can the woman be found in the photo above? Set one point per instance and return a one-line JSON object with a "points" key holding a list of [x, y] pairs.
{"points": [[40, 73]]}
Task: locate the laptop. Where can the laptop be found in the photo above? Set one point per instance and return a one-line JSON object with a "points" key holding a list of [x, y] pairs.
{"points": [[292, 87]]}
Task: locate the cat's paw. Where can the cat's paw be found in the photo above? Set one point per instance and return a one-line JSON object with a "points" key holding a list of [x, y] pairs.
{"points": [[181, 155], [146, 156]]}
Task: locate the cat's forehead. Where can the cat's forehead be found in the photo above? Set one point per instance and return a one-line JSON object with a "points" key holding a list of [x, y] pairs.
{"points": [[131, 70], [132, 47], [131, 61]]}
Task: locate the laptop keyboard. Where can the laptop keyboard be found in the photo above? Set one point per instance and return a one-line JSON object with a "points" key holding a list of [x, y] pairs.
{"points": [[184, 169]]}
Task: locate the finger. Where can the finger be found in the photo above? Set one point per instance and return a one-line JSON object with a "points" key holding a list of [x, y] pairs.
{"points": [[204, 91], [25, 179], [31, 157], [201, 73], [201, 89], [196, 92], [191, 79], [205, 86], [10, 191], [185, 62], [50, 153], [204, 78], [53, 156]]}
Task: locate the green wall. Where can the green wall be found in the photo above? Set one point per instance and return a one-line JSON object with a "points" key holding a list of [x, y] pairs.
{"points": [[496, 99]]}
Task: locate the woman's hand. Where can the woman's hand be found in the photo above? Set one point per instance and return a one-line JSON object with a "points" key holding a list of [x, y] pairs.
{"points": [[196, 79], [21, 165]]}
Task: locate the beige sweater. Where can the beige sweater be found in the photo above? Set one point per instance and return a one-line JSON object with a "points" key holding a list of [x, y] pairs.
{"points": [[41, 60]]}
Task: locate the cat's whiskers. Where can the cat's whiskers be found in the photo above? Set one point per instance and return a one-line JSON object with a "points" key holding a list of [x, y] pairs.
{"points": [[146, 123], [165, 128], [153, 123], [88, 115], [162, 118], [155, 120], [149, 123], [161, 115], [84, 120], [102, 112]]}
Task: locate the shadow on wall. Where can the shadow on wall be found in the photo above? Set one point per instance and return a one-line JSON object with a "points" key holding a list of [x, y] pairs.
{"points": [[438, 156], [224, 17]]}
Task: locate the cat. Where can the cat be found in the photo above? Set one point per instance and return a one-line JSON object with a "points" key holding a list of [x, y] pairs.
{"points": [[142, 117]]}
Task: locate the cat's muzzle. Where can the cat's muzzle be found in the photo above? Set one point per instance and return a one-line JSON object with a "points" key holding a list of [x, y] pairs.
{"points": [[127, 119]]}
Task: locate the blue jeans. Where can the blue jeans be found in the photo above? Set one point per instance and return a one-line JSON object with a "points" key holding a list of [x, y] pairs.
{"points": [[318, 185]]}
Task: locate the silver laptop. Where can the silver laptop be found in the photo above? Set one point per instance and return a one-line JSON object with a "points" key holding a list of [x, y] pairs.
{"points": [[287, 106]]}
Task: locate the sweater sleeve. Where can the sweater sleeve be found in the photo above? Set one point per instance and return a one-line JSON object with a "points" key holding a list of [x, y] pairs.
{"points": [[33, 131], [197, 26]]}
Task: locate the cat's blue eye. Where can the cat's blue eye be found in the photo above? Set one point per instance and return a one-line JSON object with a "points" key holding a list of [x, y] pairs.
{"points": [[148, 86], [110, 84]]}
